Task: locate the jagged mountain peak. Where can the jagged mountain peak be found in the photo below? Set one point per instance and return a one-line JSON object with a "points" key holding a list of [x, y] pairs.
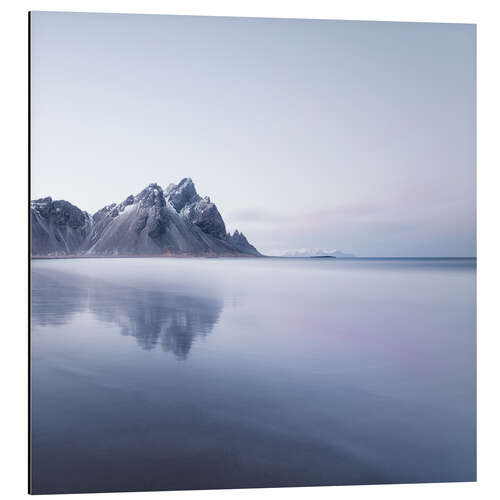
{"points": [[182, 194], [185, 200], [240, 241], [151, 195], [61, 211], [114, 209], [237, 235], [41, 202], [42, 206]]}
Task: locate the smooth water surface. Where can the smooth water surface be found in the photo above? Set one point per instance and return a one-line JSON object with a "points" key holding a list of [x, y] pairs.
{"points": [[152, 374]]}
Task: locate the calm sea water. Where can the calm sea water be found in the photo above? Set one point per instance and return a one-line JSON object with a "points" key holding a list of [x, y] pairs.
{"points": [[152, 374]]}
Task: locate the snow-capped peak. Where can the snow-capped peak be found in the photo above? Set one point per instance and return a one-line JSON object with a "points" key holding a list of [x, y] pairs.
{"points": [[314, 252]]}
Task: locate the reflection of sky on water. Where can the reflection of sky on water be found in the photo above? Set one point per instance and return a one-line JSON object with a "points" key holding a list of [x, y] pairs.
{"points": [[295, 372]]}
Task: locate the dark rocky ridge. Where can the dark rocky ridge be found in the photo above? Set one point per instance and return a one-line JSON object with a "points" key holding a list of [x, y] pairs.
{"points": [[239, 241], [58, 227], [177, 222], [197, 210]]}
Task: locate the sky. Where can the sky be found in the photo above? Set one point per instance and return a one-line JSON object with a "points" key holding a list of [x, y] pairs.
{"points": [[349, 135]]}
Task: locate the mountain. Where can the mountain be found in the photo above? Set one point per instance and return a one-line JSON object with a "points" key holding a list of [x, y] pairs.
{"points": [[304, 252], [176, 221], [58, 227]]}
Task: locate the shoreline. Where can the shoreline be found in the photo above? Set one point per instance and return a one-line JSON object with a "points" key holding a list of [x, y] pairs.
{"points": [[231, 255], [148, 256]]}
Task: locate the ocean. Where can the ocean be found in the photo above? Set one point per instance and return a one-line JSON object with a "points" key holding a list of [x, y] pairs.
{"points": [[192, 373]]}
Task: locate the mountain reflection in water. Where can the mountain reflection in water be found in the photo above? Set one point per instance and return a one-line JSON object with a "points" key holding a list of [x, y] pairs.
{"points": [[154, 317]]}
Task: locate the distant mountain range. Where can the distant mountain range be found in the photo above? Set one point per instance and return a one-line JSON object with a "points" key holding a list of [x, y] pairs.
{"points": [[173, 221], [304, 252]]}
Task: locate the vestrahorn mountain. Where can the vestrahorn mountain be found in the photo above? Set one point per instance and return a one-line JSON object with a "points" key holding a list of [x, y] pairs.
{"points": [[174, 221]]}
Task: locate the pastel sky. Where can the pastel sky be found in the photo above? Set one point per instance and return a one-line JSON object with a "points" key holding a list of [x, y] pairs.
{"points": [[352, 135]]}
